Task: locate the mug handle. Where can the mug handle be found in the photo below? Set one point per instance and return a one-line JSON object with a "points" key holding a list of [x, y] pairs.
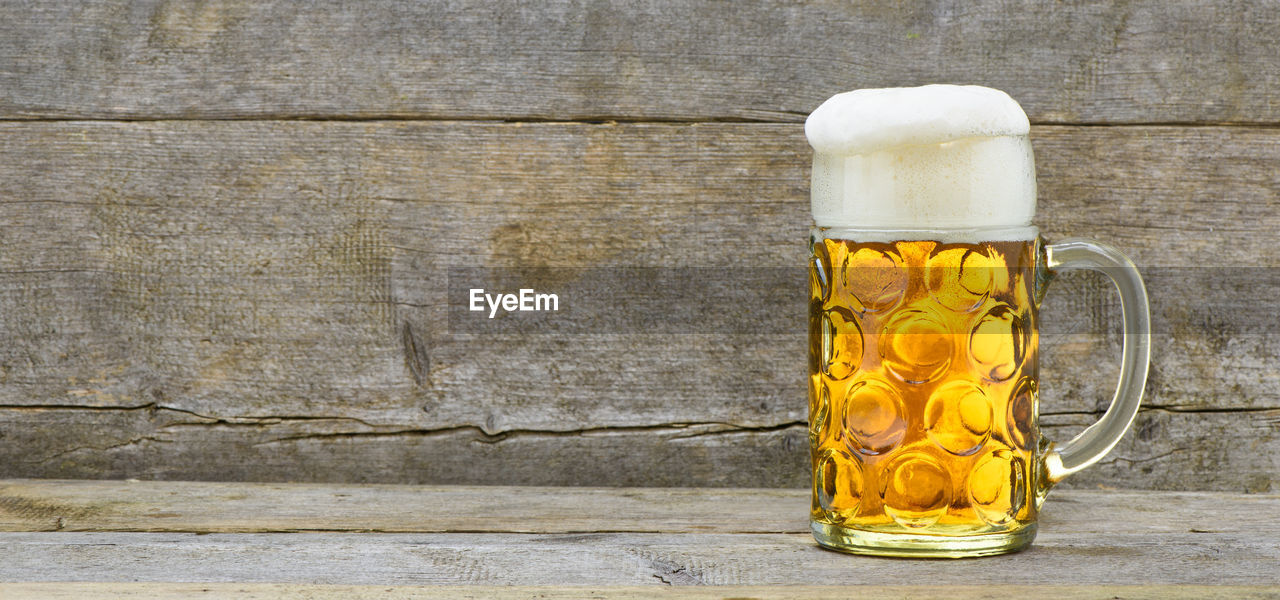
{"points": [[1096, 441]]}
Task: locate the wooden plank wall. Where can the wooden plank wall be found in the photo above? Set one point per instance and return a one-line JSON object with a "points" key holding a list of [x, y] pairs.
{"points": [[227, 227]]}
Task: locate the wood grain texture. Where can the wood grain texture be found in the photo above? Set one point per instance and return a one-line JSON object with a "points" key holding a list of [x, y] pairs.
{"points": [[204, 507], [615, 559], [1168, 450], [262, 591], [1093, 62], [171, 532], [208, 507], [266, 300]]}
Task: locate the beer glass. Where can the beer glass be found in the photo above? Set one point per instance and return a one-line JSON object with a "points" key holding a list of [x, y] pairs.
{"points": [[926, 275]]}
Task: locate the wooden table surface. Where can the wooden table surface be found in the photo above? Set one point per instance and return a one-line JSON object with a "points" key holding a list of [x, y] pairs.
{"points": [[229, 228], [70, 539]]}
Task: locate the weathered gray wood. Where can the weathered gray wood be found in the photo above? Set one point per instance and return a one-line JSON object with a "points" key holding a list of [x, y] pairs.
{"points": [[1228, 450], [595, 537], [617, 559], [677, 537], [1179, 450], [265, 300], [1133, 61], [202, 507], [205, 507], [255, 591]]}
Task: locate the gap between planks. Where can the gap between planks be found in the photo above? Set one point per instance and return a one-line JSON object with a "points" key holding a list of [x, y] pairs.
{"points": [[158, 591], [578, 120]]}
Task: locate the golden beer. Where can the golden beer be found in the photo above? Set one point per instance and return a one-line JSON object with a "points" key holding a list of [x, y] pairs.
{"points": [[923, 393]]}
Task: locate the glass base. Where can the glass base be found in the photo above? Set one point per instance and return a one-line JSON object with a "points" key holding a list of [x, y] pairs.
{"points": [[857, 541]]}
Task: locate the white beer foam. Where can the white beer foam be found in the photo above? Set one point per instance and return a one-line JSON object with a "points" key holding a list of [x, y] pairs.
{"points": [[937, 156], [942, 235]]}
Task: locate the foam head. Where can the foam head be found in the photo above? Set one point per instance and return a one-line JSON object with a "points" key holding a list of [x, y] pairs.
{"points": [[931, 157]]}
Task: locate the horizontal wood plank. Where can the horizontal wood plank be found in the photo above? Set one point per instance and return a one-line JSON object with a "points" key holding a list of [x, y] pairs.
{"points": [[205, 507], [616, 559], [167, 533], [1167, 450], [262, 591], [1138, 61], [208, 507], [266, 300]]}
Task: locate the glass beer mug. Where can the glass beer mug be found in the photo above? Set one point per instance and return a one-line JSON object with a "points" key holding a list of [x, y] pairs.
{"points": [[925, 280]]}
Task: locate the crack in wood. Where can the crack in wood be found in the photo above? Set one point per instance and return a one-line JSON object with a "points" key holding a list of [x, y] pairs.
{"points": [[107, 448], [416, 355], [153, 407], [269, 419], [486, 437], [1164, 408], [1134, 461]]}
